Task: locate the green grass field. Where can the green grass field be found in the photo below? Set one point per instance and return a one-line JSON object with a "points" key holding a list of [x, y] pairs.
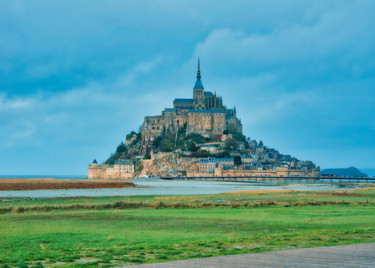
{"points": [[84, 232]]}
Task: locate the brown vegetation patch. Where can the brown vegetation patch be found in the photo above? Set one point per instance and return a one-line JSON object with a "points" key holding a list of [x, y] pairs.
{"points": [[366, 188], [350, 194], [159, 205], [39, 184]]}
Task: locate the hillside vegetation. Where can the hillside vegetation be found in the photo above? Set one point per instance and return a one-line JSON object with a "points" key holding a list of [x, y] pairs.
{"points": [[230, 144]]}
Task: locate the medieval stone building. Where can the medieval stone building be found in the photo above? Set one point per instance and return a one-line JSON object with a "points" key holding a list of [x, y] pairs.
{"points": [[122, 169], [204, 114]]}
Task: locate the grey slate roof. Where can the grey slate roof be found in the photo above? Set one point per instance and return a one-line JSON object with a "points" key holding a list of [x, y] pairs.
{"points": [[183, 101], [225, 159], [124, 162], [207, 160], [198, 84]]}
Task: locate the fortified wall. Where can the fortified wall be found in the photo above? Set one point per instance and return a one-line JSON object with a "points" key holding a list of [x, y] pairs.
{"points": [[122, 169]]}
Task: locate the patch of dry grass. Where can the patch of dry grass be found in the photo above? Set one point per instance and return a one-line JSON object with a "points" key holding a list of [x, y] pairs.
{"points": [[38, 184]]}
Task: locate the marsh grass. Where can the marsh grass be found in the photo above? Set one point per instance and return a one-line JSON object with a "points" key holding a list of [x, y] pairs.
{"points": [[90, 232], [241, 198], [154, 204]]}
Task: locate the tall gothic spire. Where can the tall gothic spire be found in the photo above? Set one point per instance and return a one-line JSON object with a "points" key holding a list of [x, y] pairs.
{"points": [[198, 83], [199, 69]]}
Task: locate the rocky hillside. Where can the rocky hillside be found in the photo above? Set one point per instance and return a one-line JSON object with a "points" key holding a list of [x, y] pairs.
{"points": [[182, 152], [163, 163]]}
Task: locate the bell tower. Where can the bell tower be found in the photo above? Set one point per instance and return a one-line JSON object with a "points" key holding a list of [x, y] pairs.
{"points": [[198, 91]]}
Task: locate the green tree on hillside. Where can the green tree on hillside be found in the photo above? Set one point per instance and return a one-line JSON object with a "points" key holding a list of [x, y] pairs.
{"points": [[310, 165], [197, 138], [130, 135], [231, 145], [237, 161], [156, 142], [121, 148], [192, 147], [167, 143]]}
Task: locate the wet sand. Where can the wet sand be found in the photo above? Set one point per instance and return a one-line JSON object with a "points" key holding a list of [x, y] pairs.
{"points": [[161, 187], [42, 184]]}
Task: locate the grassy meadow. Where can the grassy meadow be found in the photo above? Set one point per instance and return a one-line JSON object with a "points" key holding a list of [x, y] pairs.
{"points": [[113, 231]]}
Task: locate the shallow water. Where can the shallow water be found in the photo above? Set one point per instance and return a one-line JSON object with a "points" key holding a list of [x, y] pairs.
{"points": [[162, 187]]}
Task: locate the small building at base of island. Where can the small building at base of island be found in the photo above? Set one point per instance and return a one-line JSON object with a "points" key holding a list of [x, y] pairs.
{"points": [[122, 169]]}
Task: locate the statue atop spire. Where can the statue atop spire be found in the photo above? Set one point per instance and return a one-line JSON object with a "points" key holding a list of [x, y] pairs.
{"points": [[198, 83]]}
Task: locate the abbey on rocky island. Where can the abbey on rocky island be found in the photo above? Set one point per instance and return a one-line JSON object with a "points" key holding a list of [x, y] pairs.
{"points": [[204, 114], [197, 137]]}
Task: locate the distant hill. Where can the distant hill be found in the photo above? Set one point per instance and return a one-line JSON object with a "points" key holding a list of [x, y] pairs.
{"points": [[369, 171], [344, 172]]}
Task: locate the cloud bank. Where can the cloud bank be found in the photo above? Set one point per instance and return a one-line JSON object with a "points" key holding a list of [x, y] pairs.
{"points": [[75, 81]]}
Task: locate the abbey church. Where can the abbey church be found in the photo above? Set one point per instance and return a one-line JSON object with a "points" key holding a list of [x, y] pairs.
{"points": [[204, 114]]}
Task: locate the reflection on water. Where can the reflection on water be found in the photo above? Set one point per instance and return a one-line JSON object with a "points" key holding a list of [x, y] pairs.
{"points": [[162, 187]]}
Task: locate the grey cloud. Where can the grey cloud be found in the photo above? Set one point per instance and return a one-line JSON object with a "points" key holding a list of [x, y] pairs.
{"points": [[78, 79]]}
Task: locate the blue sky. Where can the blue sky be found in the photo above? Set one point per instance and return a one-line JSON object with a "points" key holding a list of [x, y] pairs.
{"points": [[77, 76]]}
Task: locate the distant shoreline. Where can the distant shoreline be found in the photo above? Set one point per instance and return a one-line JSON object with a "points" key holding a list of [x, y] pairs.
{"points": [[48, 183]]}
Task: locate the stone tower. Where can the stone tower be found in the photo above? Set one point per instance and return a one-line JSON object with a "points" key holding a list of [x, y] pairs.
{"points": [[198, 91]]}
